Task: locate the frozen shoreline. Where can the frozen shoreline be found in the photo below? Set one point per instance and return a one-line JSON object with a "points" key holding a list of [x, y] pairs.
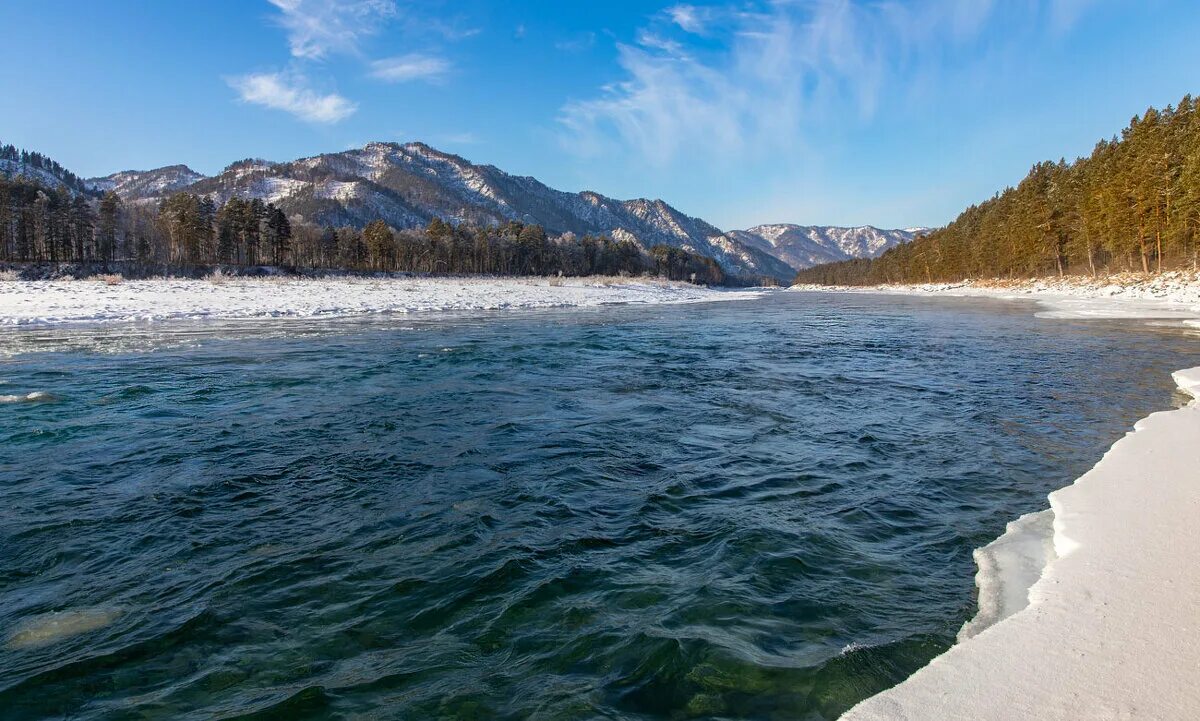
{"points": [[50, 303], [1170, 296], [1087, 609]]}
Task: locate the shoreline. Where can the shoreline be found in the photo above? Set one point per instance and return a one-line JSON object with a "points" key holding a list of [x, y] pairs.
{"points": [[1087, 608], [29, 304], [1172, 296]]}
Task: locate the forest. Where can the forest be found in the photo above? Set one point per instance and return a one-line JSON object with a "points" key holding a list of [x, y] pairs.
{"points": [[1132, 205], [69, 224]]}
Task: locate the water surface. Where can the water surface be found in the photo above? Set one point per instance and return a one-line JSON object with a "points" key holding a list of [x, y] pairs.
{"points": [[759, 510]]}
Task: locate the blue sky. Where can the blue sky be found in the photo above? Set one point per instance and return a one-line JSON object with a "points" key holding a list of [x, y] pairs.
{"points": [[895, 113]]}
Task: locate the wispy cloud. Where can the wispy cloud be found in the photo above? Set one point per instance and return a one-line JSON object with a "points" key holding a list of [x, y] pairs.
{"points": [[576, 43], [414, 66], [687, 17], [767, 67], [290, 93], [319, 28]]}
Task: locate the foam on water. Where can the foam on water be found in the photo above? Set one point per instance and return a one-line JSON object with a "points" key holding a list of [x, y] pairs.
{"points": [[34, 397]]}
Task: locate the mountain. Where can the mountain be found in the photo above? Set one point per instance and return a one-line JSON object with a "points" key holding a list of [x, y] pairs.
{"points": [[803, 246], [146, 184], [408, 185]]}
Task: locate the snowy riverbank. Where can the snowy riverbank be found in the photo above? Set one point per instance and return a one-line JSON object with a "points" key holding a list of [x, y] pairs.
{"points": [[95, 301], [1110, 630], [1169, 296], [1087, 609]]}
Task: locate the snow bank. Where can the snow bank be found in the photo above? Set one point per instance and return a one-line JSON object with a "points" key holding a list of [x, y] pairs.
{"points": [[1170, 296], [1112, 627], [56, 302], [1091, 609]]}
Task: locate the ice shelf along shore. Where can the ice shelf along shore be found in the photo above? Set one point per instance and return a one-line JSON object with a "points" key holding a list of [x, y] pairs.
{"points": [[95, 301], [1112, 626], [1090, 609]]}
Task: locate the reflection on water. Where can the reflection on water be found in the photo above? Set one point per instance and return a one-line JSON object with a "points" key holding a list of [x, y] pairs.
{"points": [[762, 509]]}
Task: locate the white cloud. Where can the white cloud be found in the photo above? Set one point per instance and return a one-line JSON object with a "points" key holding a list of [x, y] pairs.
{"points": [[319, 28], [686, 17], [414, 66], [291, 94], [770, 68]]}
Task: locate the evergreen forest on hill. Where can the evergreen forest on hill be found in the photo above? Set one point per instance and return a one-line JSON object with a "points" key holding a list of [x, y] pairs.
{"points": [[1132, 205]]}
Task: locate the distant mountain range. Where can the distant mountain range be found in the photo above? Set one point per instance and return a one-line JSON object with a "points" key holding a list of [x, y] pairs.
{"points": [[409, 184], [803, 246]]}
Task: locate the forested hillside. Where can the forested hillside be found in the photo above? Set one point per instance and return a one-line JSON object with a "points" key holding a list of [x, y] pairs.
{"points": [[408, 185], [54, 224], [1134, 204], [14, 162]]}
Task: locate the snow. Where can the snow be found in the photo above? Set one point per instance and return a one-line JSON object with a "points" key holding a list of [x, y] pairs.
{"points": [[41, 303], [1087, 610], [803, 246], [273, 190], [1167, 296], [337, 190], [1008, 568], [1111, 629]]}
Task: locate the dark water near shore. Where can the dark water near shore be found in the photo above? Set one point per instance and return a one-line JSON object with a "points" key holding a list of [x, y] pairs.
{"points": [[760, 509]]}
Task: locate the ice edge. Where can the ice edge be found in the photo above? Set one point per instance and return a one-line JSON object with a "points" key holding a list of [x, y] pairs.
{"points": [[1095, 636]]}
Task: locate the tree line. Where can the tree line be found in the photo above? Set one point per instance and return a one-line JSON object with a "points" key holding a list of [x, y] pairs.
{"points": [[1132, 205], [41, 224]]}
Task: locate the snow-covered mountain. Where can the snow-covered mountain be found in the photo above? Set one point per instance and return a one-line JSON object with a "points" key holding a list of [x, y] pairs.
{"points": [[803, 246], [147, 184], [407, 185]]}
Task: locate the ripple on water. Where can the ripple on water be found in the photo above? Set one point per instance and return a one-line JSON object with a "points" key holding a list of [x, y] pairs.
{"points": [[749, 510]]}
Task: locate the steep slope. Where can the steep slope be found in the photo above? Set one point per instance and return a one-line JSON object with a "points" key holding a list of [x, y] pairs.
{"points": [[803, 246], [40, 169], [407, 185]]}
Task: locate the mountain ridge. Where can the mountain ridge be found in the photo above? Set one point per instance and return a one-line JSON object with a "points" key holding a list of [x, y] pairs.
{"points": [[409, 184], [804, 246]]}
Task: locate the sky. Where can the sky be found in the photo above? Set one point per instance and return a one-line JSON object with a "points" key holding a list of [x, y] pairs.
{"points": [[895, 113]]}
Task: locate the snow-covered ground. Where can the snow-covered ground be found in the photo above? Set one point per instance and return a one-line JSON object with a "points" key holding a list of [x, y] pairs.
{"points": [[94, 301], [1090, 609], [1167, 296]]}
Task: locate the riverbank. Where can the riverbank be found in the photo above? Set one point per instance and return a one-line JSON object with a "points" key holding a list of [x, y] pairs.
{"points": [[1174, 295], [113, 300], [1087, 609]]}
